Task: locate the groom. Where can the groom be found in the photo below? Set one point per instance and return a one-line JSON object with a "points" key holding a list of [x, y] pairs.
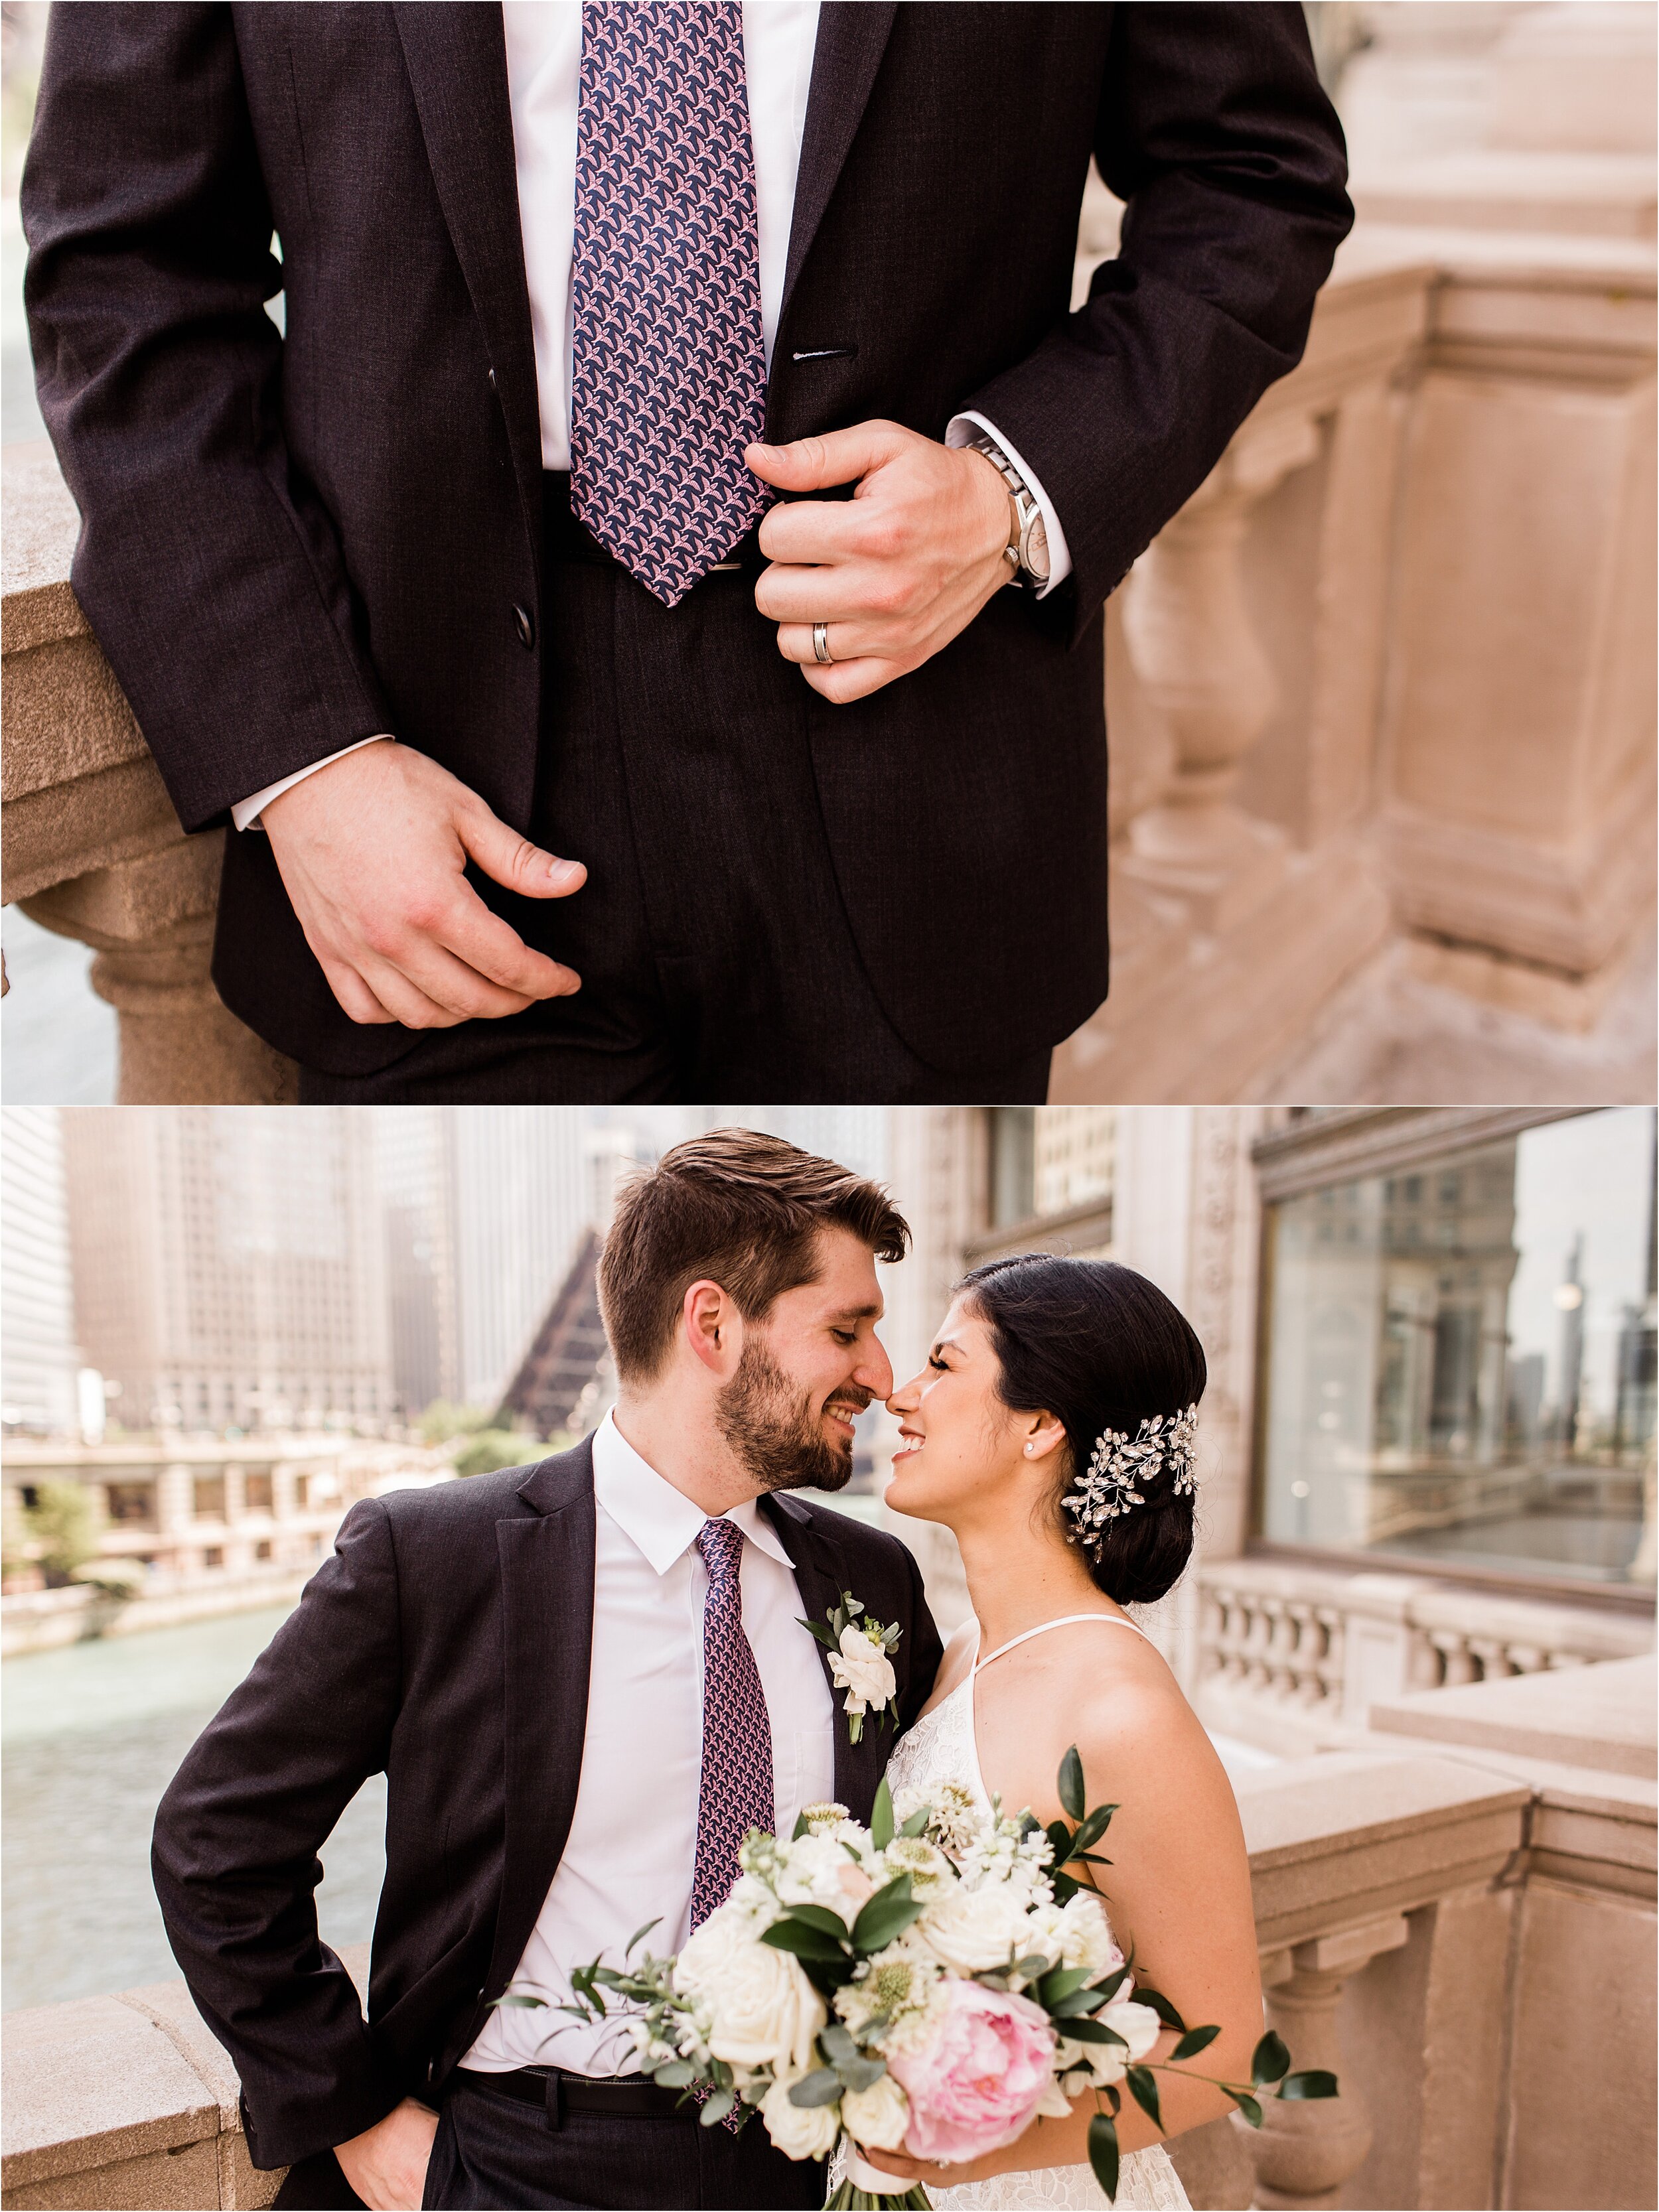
{"points": [[577, 772], [585, 1683]]}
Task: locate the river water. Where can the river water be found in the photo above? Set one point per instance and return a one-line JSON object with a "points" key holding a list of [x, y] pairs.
{"points": [[92, 1736]]}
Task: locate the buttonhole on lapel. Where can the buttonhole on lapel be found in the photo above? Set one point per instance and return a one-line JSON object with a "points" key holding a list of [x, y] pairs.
{"points": [[827, 353]]}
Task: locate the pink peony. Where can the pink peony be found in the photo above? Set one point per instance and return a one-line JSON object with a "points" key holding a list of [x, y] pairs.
{"points": [[976, 2082]]}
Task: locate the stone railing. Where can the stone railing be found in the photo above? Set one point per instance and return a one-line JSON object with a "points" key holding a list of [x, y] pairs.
{"points": [[1386, 679], [1388, 676], [1443, 1911], [1288, 1653]]}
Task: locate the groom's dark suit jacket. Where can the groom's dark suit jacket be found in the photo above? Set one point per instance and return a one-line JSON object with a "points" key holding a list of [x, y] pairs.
{"points": [[289, 546], [447, 1644]]}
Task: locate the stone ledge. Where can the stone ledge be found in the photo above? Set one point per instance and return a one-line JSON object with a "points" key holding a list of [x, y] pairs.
{"points": [[1540, 1717]]}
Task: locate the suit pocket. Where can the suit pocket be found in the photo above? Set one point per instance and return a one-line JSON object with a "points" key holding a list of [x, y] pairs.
{"points": [[440, 2164]]}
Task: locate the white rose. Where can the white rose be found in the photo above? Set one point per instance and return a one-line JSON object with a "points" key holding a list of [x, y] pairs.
{"points": [[763, 2010], [800, 2130], [815, 1871], [1085, 1936], [863, 1669], [1137, 2024], [972, 1929], [877, 2117]]}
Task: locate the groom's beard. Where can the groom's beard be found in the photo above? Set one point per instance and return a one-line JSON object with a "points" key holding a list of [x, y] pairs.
{"points": [[771, 1429]]}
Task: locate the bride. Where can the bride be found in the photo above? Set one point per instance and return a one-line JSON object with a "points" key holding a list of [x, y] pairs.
{"points": [[1038, 1358]]}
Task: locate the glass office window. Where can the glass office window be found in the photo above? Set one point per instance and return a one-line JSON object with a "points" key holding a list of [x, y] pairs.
{"points": [[1459, 1357]]}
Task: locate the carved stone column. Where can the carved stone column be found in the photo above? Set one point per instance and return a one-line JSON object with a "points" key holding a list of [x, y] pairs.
{"points": [[1304, 2152], [1204, 670], [93, 847]]}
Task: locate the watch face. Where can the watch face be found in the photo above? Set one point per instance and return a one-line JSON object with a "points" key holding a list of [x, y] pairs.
{"points": [[1035, 549]]}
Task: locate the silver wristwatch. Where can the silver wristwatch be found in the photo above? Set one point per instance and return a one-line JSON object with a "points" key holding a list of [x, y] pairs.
{"points": [[1027, 550]]}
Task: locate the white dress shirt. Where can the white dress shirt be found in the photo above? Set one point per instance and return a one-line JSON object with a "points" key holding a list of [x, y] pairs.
{"points": [[633, 1844], [544, 67]]}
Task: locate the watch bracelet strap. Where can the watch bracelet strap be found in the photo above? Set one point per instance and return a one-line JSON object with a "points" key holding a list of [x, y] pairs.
{"points": [[1017, 490]]}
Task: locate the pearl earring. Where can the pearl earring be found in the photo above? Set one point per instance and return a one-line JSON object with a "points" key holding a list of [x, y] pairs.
{"points": [[1028, 1451]]}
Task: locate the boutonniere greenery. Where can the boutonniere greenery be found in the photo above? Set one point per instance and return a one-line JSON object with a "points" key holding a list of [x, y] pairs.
{"points": [[858, 1646]]}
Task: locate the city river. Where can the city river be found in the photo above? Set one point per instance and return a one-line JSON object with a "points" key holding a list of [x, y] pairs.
{"points": [[92, 1736]]}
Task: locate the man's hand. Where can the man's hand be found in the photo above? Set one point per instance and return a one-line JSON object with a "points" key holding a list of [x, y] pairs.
{"points": [[372, 850], [386, 2164], [897, 570]]}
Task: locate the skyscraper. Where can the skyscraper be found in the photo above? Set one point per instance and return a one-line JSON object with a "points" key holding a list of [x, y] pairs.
{"points": [[228, 1264], [37, 1320]]}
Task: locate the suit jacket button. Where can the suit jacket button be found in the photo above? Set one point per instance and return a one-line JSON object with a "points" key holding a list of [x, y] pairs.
{"points": [[525, 624]]}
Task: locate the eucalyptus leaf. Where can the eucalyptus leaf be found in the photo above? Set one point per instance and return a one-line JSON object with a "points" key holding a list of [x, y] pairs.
{"points": [[1270, 2061], [881, 1817], [1103, 2154], [1091, 1830], [1060, 1984], [820, 2087], [821, 1917], [1313, 2082], [1143, 2087], [862, 2073], [1069, 1783], [852, 1603], [837, 2045], [887, 1914], [805, 1943], [1033, 1965], [717, 2108], [674, 2074], [1195, 2040]]}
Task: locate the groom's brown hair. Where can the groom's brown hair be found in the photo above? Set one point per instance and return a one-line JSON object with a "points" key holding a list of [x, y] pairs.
{"points": [[744, 1210]]}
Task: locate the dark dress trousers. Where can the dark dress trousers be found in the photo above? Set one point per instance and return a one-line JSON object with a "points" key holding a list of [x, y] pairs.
{"points": [[288, 545], [447, 1643]]}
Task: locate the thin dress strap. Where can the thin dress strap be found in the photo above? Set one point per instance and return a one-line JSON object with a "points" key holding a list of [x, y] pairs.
{"points": [[1066, 1620]]}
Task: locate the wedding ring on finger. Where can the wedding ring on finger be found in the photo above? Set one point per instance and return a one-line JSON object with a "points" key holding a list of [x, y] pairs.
{"points": [[821, 652]]}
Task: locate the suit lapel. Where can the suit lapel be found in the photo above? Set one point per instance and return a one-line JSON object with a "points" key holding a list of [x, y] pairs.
{"points": [[821, 1575], [456, 56], [547, 1561], [852, 37]]}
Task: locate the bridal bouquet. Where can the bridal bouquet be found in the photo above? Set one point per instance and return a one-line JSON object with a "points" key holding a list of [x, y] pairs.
{"points": [[932, 1983]]}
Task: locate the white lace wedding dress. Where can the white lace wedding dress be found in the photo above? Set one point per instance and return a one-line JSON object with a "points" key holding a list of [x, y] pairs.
{"points": [[941, 1748]]}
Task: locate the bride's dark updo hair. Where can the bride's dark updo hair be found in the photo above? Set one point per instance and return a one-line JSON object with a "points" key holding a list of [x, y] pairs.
{"points": [[1099, 1347]]}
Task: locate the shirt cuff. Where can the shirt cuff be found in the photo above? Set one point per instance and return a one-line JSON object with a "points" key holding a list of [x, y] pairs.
{"points": [[962, 432], [247, 812]]}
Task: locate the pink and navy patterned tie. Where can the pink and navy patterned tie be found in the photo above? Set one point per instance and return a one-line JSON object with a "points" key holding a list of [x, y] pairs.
{"points": [[736, 1791], [668, 364]]}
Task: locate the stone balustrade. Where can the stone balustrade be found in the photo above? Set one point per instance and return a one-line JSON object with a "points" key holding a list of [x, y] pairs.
{"points": [[1446, 1910], [1386, 679], [1288, 1653]]}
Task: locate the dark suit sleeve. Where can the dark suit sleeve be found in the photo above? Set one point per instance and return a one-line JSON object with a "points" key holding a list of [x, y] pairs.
{"points": [[160, 377], [1213, 129], [235, 1849]]}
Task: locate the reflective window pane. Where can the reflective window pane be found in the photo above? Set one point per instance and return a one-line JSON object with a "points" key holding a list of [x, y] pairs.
{"points": [[1460, 1359]]}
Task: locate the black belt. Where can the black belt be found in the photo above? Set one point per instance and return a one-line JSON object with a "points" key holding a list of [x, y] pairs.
{"points": [[567, 540], [557, 2093]]}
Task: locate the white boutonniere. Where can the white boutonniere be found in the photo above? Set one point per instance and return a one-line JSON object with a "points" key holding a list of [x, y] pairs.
{"points": [[858, 1646]]}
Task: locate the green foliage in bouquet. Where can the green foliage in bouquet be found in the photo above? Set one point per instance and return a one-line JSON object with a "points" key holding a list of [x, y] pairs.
{"points": [[832, 1952]]}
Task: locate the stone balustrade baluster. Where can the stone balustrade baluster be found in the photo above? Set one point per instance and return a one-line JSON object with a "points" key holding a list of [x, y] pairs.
{"points": [[1204, 672], [1304, 2152]]}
